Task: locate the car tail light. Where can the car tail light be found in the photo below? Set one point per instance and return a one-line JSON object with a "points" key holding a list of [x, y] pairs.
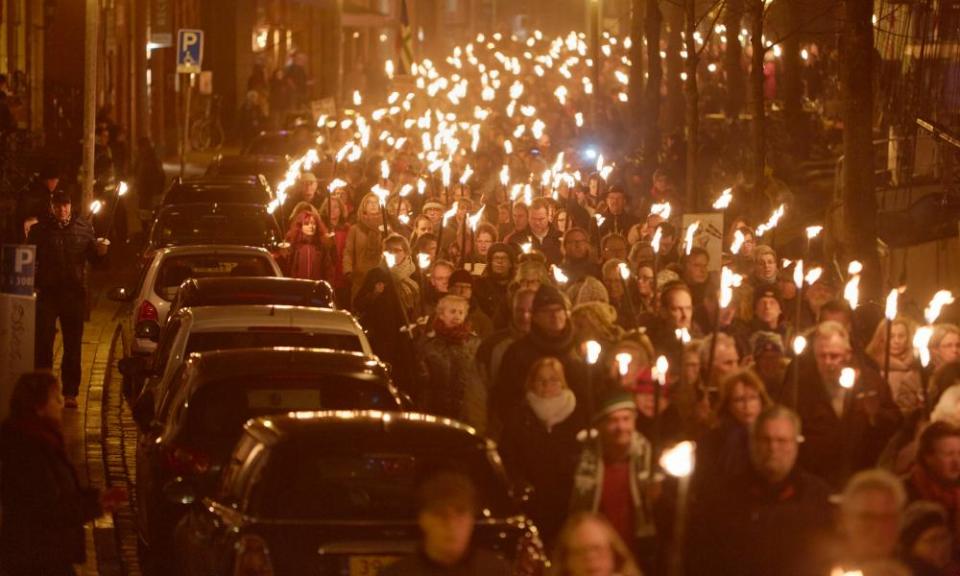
{"points": [[253, 557], [147, 311], [187, 461]]}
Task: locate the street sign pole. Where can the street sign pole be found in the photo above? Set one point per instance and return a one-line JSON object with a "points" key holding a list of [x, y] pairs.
{"points": [[189, 62]]}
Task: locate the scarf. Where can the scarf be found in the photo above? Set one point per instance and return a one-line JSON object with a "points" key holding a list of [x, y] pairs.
{"points": [[408, 291], [552, 411], [452, 334]]}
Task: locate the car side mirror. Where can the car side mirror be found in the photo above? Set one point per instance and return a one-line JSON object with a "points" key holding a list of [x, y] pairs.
{"points": [[119, 294], [180, 491], [143, 411]]}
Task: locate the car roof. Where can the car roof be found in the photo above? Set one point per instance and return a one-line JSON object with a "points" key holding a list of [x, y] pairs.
{"points": [[234, 363], [338, 426], [211, 250], [245, 316], [217, 182]]}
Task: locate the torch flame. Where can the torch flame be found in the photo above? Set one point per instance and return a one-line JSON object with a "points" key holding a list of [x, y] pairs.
{"points": [[593, 351], [738, 241], [679, 460], [688, 237], [655, 243], [623, 362], [624, 270], [450, 213], [772, 222], [813, 275], [475, 218], [423, 260], [559, 276], [939, 300], [683, 335], [661, 368], [122, 188], [662, 210], [390, 258], [798, 273], [96, 206], [381, 193], [335, 184], [848, 377], [728, 281], [384, 170], [799, 345], [723, 202], [813, 231], [921, 341], [890, 312]]}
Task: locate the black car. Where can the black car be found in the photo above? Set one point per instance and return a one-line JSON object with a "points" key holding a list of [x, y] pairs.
{"points": [[232, 189], [253, 290], [333, 493], [217, 223], [202, 413]]}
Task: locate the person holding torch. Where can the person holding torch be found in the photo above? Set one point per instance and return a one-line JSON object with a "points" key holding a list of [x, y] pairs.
{"points": [[65, 244]]}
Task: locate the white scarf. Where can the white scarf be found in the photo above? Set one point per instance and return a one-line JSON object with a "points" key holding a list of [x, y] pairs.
{"points": [[552, 411]]}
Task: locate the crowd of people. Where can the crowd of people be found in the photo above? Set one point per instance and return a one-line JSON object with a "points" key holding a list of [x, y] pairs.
{"points": [[514, 280], [504, 271]]}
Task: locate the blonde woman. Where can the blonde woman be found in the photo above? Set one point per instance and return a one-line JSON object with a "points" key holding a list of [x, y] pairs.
{"points": [[363, 249], [589, 546], [905, 378], [539, 442]]}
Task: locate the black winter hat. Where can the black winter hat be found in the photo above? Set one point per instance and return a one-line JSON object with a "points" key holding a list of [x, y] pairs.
{"points": [[461, 277], [548, 295]]}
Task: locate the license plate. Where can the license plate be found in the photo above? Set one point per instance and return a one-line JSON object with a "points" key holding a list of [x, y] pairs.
{"points": [[370, 565]]}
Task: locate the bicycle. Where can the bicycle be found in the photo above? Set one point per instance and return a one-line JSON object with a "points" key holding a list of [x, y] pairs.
{"points": [[206, 131]]}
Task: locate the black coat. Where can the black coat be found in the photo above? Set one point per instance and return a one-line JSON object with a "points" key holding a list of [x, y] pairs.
{"points": [[757, 529], [544, 459], [508, 391], [63, 253], [834, 448], [476, 563], [44, 505]]}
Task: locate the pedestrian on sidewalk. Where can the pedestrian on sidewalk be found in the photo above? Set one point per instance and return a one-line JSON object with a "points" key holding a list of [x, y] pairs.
{"points": [[65, 244], [44, 504]]}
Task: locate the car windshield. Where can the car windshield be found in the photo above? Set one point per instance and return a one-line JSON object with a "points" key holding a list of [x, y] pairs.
{"points": [[219, 409], [239, 193], [358, 480], [207, 341], [236, 227], [175, 269], [246, 296]]}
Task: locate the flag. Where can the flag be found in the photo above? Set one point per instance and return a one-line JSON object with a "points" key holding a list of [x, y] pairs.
{"points": [[404, 41]]}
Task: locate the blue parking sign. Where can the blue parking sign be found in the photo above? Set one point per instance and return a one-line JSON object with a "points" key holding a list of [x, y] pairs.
{"points": [[189, 51], [18, 264]]}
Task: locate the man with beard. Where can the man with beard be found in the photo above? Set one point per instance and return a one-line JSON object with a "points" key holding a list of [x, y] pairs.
{"points": [[578, 262], [551, 334], [490, 290]]}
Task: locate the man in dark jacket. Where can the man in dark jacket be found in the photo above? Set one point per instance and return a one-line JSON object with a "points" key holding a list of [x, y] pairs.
{"points": [[578, 262], [490, 289], [617, 220], [772, 519], [844, 429], [34, 203], [65, 245], [551, 334], [448, 513]]}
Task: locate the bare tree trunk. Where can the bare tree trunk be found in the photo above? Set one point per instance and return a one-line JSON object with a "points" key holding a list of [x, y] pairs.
{"points": [[859, 233], [757, 103], [692, 91], [651, 140], [635, 90], [675, 66], [733, 58], [793, 84]]}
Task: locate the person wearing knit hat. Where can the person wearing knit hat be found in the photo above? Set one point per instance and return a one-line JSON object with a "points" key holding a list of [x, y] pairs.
{"points": [[490, 289], [615, 471], [434, 211], [589, 289], [596, 321], [925, 539], [767, 312], [549, 298]]}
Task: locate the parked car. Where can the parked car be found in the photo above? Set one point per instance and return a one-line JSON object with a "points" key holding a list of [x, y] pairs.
{"points": [[228, 327], [334, 493], [218, 223], [202, 414], [197, 292], [232, 189], [160, 281]]}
